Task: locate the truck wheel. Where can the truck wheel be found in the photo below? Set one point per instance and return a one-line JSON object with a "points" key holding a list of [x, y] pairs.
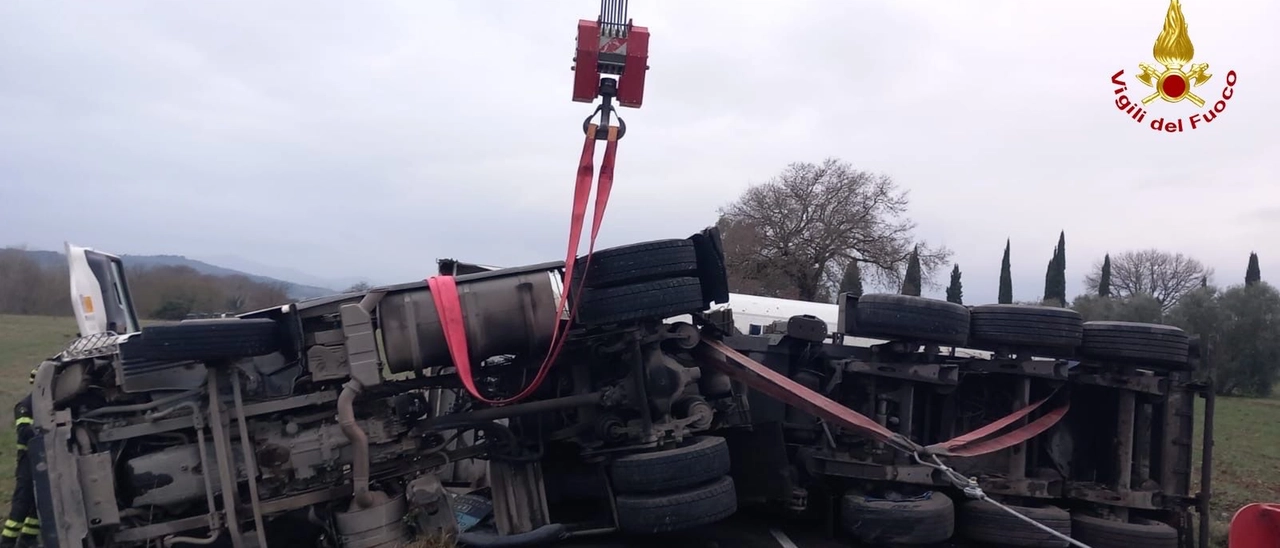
{"points": [[1144, 343], [1026, 325], [1105, 533], [677, 511], [697, 461], [657, 299], [914, 318], [985, 522], [898, 522], [636, 263], [204, 340]]}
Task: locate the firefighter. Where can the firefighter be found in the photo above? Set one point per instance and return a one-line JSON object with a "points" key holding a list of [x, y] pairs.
{"points": [[22, 529]]}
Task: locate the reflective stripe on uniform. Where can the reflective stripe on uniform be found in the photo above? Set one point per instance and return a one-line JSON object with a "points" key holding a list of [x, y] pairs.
{"points": [[21, 446], [30, 531], [32, 522], [9, 533], [23, 420]]}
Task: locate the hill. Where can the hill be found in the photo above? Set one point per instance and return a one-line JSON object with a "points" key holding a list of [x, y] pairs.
{"points": [[296, 291]]}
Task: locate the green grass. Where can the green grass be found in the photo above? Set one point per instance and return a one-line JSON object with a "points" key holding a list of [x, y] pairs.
{"points": [[1246, 445], [1246, 456], [25, 341]]}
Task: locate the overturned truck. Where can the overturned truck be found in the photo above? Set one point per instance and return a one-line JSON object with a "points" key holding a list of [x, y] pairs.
{"points": [[343, 421], [352, 421]]}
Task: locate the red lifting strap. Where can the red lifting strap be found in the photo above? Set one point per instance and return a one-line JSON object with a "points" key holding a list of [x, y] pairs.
{"points": [[973, 444], [444, 289], [778, 386]]}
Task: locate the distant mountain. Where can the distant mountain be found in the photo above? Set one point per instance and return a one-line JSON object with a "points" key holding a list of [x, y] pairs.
{"points": [[285, 273], [297, 291]]}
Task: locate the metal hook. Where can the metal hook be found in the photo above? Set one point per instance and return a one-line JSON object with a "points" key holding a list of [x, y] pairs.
{"points": [[602, 130], [608, 89]]}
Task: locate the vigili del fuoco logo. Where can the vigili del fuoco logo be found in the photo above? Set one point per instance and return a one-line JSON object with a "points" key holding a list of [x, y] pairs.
{"points": [[1174, 80]]}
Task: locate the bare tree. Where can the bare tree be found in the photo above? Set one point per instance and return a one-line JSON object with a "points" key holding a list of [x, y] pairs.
{"points": [[794, 235], [1163, 275]]}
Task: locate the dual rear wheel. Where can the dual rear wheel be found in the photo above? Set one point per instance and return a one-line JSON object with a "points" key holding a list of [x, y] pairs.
{"points": [[674, 489]]}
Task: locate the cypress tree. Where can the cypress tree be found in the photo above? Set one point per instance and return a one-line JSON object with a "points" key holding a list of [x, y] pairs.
{"points": [[955, 293], [1104, 281], [1055, 275], [1253, 274], [1049, 273], [1060, 272], [911, 283], [1006, 278], [851, 282]]}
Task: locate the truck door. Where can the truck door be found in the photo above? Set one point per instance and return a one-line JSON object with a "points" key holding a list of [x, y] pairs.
{"points": [[99, 293]]}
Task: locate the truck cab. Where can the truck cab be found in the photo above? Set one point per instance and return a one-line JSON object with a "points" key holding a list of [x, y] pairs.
{"points": [[99, 292]]}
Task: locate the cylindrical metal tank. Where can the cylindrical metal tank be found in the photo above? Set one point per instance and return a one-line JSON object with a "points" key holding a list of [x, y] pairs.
{"points": [[509, 311], [379, 526]]}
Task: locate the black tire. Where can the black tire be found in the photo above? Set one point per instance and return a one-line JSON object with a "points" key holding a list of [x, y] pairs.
{"points": [[697, 461], [1104, 533], [206, 340], [711, 266], [657, 299], [912, 318], [677, 511], [1140, 343], [985, 522], [1030, 326], [637, 263], [898, 523]]}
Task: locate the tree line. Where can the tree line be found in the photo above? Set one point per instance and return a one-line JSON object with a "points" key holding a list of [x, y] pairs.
{"points": [[817, 230], [1239, 323], [159, 292]]}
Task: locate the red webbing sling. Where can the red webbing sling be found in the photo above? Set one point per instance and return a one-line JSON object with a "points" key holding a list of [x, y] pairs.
{"points": [[973, 443], [444, 289], [777, 386]]}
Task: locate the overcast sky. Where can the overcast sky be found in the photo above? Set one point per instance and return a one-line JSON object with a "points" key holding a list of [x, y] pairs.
{"points": [[369, 138]]}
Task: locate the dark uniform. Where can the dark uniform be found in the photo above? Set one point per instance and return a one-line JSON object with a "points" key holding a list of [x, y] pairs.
{"points": [[23, 526]]}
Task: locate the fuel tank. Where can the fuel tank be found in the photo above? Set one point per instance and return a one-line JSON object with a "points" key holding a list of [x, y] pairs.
{"points": [[507, 311]]}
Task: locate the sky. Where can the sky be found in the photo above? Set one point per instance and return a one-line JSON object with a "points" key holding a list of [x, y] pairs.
{"points": [[344, 139]]}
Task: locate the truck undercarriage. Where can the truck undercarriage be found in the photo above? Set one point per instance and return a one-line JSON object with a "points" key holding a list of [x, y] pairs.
{"points": [[341, 421], [344, 421], [1114, 470]]}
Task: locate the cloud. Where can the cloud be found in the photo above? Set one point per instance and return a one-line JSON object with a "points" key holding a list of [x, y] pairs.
{"points": [[368, 139]]}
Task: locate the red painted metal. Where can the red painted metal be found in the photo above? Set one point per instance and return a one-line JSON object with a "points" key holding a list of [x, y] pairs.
{"points": [[597, 55], [586, 62], [631, 82], [1255, 526]]}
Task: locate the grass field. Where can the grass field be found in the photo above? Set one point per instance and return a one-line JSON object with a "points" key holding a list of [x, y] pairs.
{"points": [[25, 341], [1246, 449]]}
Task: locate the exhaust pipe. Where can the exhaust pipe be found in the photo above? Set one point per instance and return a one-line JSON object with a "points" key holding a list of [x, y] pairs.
{"points": [[359, 442], [362, 354]]}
